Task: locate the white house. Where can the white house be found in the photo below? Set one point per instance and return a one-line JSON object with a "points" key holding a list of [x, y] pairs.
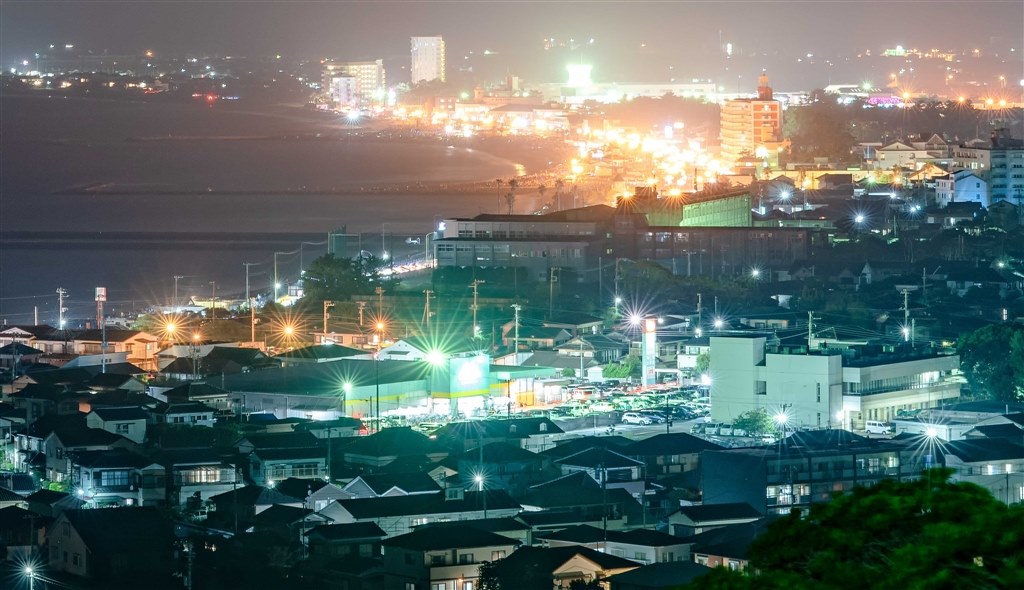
{"points": [[129, 422], [960, 187]]}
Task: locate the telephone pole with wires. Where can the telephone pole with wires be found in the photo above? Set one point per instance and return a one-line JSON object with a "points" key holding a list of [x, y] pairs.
{"points": [[476, 306]]}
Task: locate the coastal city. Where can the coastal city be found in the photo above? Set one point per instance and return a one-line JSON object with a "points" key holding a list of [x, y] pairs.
{"points": [[573, 312]]}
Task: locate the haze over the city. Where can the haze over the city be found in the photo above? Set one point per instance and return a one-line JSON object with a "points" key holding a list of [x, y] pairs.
{"points": [[625, 41]]}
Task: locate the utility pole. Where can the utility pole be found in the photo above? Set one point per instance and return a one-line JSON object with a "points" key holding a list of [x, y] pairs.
{"points": [[476, 301], [426, 307], [61, 294], [552, 278], [810, 330], [252, 320], [327, 306], [906, 316], [515, 349], [101, 297], [700, 314], [176, 279], [213, 302], [362, 306], [380, 302], [248, 299]]}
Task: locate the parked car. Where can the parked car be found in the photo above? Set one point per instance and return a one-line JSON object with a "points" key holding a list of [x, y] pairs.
{"points": [[635, 418], [656, 417]]}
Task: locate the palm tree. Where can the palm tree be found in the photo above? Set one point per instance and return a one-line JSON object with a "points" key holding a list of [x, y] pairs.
{"points": [[559, 185]]}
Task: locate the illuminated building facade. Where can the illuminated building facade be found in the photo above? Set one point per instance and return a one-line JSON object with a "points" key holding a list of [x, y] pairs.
{"points": [[1001, 165], [428, 59], [369, 78], [747, 125]]}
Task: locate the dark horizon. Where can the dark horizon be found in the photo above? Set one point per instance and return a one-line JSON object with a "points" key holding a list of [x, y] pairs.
{"points": [[651, 38]]}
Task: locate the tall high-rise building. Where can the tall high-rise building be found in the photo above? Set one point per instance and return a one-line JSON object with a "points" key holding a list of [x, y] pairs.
{"points": [[427, 59], [370, 84], [748, 124]]}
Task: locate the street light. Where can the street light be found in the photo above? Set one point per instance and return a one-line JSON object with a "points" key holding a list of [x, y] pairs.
{"points": [[31, 577]]}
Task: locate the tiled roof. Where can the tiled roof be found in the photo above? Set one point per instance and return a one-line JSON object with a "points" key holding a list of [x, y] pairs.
{"points": [[454, 537], [657, 576], [599, 458], [355, 531], [676, 443], [365, 508], [408, 482], [719, 512], [120, 414]]}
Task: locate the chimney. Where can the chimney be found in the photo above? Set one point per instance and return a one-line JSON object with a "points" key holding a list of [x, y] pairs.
{"points": [[764, 90]]}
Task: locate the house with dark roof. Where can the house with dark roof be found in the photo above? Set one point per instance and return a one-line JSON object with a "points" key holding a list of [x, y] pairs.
{"points": [[270, 465], [670, 453], [659, 576], [558, 567], [503, 466], [183, 414], [117, 478], [640, 545], [398, 514], [129, 421], [389, 444], [321, 353], [45, 399], [696, 519], [577, 499], [996, 464], [315, 494], [16, 353], [194, 475], [600, 348], [443, 557], [112, 545], [727, 546], [288, 523], [51, 503], [9, 498], [531, 433], [357, 539], [607, 467], [113, 381], [241, 504], [533, 337], [382, 485], [61, 446]]}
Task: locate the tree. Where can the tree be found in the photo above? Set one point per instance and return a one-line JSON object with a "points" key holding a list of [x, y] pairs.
{"points": [[755, 422], [703, 363], [331, 278], [929, 533], [992, 359], [821, 129]]}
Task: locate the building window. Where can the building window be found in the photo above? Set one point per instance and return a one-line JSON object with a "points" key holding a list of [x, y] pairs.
{"points": [[123, 428], [76, 559], [465, 558], [640, 556], [496, 555], [437, 560], [114, 478], [467, 586]]}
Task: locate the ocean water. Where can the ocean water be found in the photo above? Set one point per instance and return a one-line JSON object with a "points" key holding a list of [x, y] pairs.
{"points": [[128, 195]]}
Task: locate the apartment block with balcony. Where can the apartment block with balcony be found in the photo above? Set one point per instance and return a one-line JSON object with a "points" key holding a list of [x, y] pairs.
{"points": [[827, 386], [748, 124], [806, 468]]}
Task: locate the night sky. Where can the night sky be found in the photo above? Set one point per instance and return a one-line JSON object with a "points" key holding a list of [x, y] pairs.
{"points": [[656, 34]]}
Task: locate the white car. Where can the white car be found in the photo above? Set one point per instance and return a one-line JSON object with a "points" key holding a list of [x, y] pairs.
{"points": [[635, 418]]}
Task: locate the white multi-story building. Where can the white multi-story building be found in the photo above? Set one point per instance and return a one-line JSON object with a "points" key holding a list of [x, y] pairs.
{"points": [[1001, 164], [962, 186], [428, 61], [343, 91], [368, 82], [837, 387]]}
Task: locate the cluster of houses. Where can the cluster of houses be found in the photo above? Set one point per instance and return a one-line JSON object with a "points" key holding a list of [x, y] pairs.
{"points": [[132, 478]]}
